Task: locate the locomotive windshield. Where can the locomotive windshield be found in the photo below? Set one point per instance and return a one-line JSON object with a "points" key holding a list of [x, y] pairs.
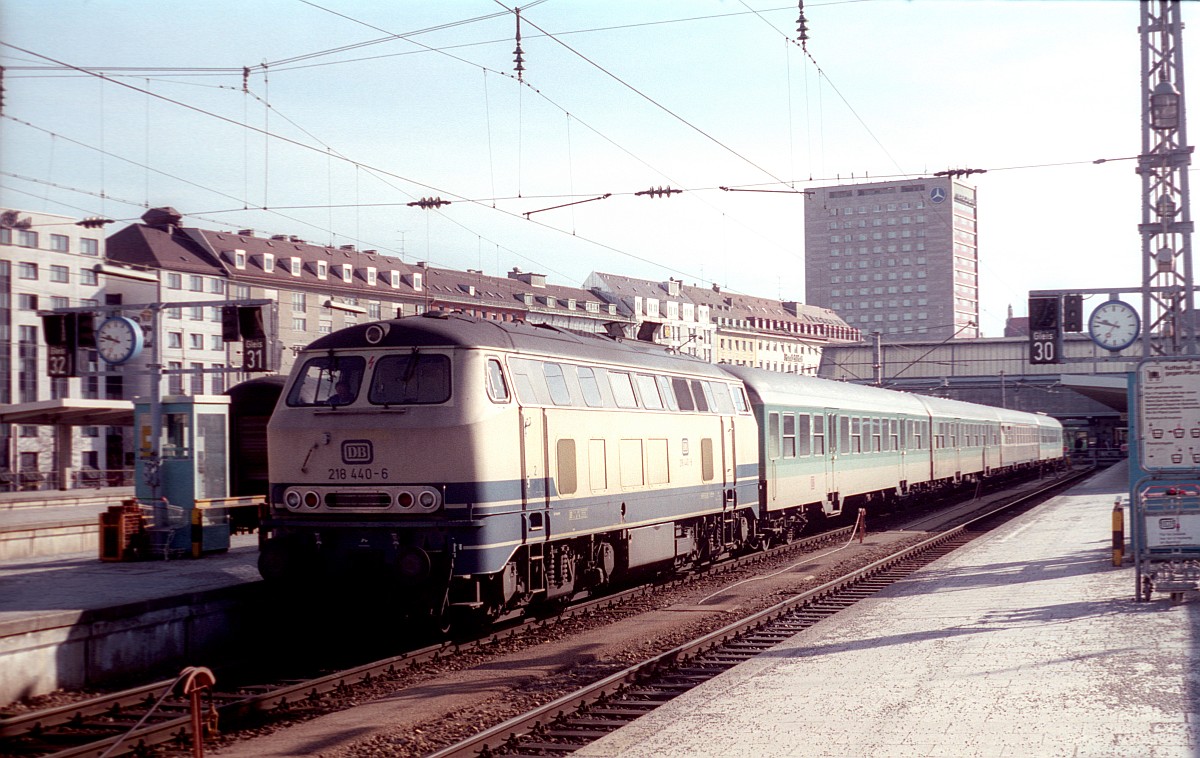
{"points": [[411, 379], [328, 381]]}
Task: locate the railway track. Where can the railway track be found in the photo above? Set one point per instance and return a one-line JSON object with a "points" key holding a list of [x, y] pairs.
{"points": [[138, 719], [568, 723]]}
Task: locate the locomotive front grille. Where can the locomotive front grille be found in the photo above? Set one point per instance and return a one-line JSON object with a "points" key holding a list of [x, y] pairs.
{"points": [[358, 500]]}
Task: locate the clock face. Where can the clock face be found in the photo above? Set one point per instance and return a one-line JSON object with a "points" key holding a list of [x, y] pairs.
{"points": [[118, 340], [1114, 325]]}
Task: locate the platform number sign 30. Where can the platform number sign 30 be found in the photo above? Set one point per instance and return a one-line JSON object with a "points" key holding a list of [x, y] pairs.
{"points": [[1045, 329]]}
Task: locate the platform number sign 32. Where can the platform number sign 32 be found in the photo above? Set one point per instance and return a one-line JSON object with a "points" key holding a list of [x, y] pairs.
{"points": [[1045, 329]]}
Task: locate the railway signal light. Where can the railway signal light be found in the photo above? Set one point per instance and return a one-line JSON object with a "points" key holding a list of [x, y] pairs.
{"points": [[85, 330], [1072, 315], [241, 322]]}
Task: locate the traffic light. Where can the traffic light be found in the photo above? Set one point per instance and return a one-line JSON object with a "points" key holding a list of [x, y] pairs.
{"points": [[1072, 315]]}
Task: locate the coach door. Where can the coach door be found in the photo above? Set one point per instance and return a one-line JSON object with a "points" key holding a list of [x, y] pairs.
{"points": [[837, 439]]}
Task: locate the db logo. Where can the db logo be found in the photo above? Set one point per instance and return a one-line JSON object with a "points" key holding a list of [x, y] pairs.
{"points": [[357, 451]]}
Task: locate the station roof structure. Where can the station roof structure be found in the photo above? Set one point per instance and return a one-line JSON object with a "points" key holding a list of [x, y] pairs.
{"points": [[70, 412]]}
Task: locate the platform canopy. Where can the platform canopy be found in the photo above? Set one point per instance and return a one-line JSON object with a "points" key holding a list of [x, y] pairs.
{"points": [[1110, 389], [70, 412]]}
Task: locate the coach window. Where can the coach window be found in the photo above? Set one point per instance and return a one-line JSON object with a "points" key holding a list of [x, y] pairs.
{"points": [[818, 427], [497, 387], [416, 378], [789, 435], [856, 435], [876, 435], [700, 393], [648, 389], [844, 433], [773, 436], [622, 389], [804, 435], [683, 395], [893, 440], [591, 389]]}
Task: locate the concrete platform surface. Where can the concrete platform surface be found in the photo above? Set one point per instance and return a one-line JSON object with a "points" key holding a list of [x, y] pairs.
{"points": [[1027, 642], [37, 588]]}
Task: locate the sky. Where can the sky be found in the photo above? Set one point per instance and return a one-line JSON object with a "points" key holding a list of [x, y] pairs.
{"points": [[354, 108]]}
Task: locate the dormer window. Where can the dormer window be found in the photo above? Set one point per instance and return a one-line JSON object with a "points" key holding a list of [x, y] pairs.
{"points": [[296, 265], [395, 279], [418, 281], [372, 276], [347, 272], [571, 303], [551, 301], [528, 297], [239, 259], [269, 262], [322, 270]]}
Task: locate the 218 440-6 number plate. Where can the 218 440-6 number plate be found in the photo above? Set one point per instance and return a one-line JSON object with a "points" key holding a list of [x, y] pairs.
{"points": [[357, 473]]}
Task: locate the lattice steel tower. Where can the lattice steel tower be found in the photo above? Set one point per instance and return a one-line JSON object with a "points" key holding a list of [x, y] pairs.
{"points": [[1166, 228]]}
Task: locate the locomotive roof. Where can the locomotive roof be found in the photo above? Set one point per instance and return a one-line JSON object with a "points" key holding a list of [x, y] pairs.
{"points": [[436, 329]]}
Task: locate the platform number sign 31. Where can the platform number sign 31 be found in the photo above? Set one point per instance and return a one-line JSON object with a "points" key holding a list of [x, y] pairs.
{"points": [[1045, 329]]}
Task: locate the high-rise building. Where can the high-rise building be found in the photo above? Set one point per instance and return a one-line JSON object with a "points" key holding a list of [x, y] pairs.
{"points": [[899, 258]]}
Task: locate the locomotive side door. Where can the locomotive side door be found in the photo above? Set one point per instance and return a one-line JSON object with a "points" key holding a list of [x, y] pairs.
{"points": [[534, 491], [729, 455]]}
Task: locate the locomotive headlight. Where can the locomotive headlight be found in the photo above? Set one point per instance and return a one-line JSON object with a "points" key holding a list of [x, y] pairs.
{"points": [[312, 499], [292, 499], [404, 500], [427, 499]]}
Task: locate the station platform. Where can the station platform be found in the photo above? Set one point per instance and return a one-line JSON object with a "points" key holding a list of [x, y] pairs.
{"points": [[39, 524], [72, 620], [1025, 642]]}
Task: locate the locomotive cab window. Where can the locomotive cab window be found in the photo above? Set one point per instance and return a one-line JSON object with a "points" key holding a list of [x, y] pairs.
{"points": [[412, 379], [327, 381]]}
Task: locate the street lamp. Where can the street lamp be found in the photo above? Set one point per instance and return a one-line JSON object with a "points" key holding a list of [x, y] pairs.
{"points": [[1164, 106]]}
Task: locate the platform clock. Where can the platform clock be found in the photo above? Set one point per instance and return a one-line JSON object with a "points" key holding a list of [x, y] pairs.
{"points": [[1114, 325], [118, 340]]}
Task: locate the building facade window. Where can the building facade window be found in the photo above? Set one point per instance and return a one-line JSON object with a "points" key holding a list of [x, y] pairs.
{"points": [[89, 246], [27, 270], [60, 243], [60, 274]]}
